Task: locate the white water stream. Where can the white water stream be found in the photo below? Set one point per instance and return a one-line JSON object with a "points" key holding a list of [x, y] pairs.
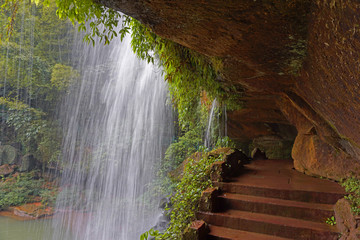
{"points": [[208, 142], [117, 126]]}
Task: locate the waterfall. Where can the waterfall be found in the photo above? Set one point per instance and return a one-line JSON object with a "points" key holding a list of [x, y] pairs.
{"points": [[208, 139], [216, 128], [117, 126]]}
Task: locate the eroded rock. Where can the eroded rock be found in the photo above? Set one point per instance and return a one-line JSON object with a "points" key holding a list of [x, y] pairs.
{"points": [[209, 200], [28, 163], [256, 153], [197, 230], [345, 221], [33, 210], [314, 157], [230, 166], [6, 169], [8, 154]]}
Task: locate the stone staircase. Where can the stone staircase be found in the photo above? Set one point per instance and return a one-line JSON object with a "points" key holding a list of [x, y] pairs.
{"points": [[271, 201]]}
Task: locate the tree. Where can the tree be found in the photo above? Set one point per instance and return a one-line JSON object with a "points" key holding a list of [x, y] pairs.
{"points": [[36, 72]]}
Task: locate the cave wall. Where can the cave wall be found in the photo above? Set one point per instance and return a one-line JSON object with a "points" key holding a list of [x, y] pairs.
{"points": [[298, 62], [329, 85]]}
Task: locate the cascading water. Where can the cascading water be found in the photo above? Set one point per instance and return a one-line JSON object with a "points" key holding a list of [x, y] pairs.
{"points": [[117, 126], [216, 128], [208, 140]]}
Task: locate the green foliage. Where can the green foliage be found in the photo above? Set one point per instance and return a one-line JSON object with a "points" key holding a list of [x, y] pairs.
{"points": [[37, 136], [10, 7], [352, 186], [102, 21], [190, 139], [196, 179], [187, 142], [36, 74], [48, 197], [196, 175], [331, 221], [186, 145], [99, 21], [39, 41], [22, 189], [63, 76], [151, 232]]}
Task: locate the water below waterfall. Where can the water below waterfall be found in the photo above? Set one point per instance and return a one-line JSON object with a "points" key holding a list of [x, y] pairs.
{"points": [[12, 229], [117, 126]]}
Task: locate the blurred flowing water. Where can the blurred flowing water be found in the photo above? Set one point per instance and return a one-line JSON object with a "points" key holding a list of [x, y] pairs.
{"points": [[216, 129], [117, 126], [209, 141]]}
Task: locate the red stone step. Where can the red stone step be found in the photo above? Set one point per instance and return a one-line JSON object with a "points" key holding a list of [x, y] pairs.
{"points": [[276, 178], [291, 193], [271, 225], [274, 206], [221, 233]]}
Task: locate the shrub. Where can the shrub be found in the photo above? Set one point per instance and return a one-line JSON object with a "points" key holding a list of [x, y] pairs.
{"points": [[22, 189], [352, 186], [185, 203]]}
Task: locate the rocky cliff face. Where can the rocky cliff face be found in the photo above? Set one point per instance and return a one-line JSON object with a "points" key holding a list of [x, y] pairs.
{"points": [[298, 62]]}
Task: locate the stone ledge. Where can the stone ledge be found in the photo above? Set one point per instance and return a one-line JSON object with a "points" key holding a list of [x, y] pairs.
{"points": [[209, 200], [198, 230], [230, 166]]}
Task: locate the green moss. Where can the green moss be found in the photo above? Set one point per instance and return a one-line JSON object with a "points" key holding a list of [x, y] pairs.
{"points": [[297, 53]]}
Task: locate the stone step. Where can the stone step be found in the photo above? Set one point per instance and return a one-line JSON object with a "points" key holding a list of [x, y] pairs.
{"points": [[221, 233], [271, 225], [286, 193], [279, 207]]}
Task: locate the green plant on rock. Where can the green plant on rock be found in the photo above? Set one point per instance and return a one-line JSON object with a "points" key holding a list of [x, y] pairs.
{"points": [[195, 180], [331, 221], [352, 186]]}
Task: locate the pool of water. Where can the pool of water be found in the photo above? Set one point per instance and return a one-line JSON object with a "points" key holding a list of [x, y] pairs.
{"points": [[13, 229]]}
